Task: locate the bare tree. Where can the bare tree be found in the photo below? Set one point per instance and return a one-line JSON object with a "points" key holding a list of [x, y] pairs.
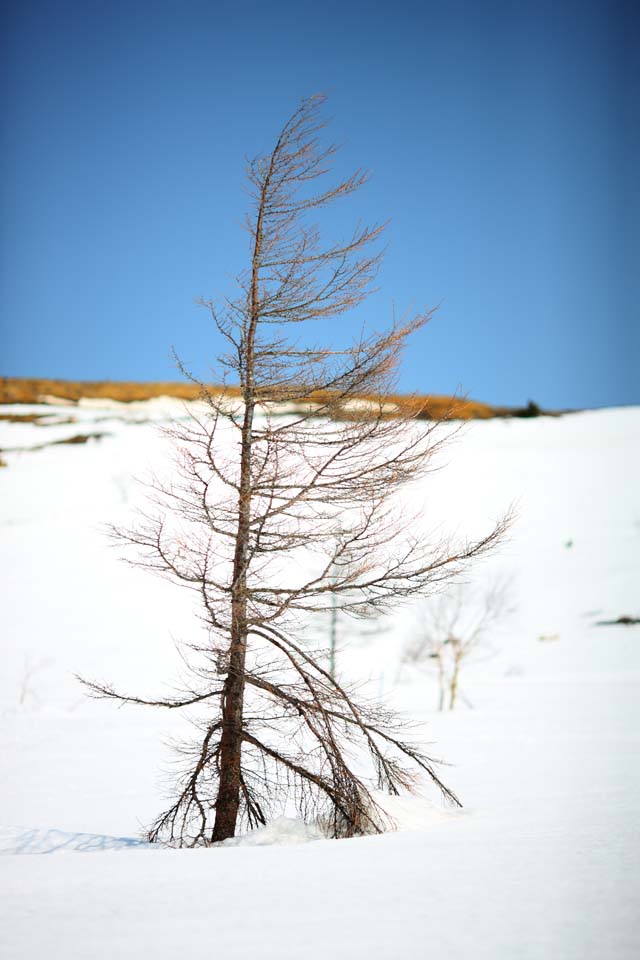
{"points": [[27, 686], [272, 519], [457, 627]]}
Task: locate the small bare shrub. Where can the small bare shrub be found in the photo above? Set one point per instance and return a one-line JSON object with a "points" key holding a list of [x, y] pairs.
{"points": [[457, 627]]}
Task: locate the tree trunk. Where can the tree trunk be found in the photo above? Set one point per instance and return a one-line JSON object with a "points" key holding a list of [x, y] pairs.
{"points": [[333, 636], [441, 681], [228, 799], [453, 688]]}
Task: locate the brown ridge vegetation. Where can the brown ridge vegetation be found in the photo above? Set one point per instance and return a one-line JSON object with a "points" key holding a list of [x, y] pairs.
{"points": [[34, 390]]}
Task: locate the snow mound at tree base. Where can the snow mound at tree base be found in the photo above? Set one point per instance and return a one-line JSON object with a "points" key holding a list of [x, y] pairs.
{"points": [[282, 831], [406, 813]]}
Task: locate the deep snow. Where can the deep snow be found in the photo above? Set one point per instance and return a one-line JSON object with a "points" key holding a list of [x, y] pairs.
{"points": [[541, 863]]}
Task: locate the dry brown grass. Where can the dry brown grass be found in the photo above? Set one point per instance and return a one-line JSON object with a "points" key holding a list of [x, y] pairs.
{"points": [[33, 390]]}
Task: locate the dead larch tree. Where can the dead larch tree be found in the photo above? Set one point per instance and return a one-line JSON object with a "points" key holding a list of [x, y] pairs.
{"points": [[272, 519]]}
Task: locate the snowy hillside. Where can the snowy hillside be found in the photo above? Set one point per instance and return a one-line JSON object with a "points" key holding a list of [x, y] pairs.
{"points": [[542, 862]]}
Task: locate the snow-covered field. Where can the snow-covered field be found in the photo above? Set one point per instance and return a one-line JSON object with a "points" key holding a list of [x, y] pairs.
{"points": [[542, 862]]}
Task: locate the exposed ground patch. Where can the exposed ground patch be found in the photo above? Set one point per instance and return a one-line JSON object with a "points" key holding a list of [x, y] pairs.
{"points": [[74, 440]]}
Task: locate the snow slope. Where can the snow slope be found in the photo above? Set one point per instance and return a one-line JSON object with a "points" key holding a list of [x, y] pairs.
{"points": [[541, 863]]}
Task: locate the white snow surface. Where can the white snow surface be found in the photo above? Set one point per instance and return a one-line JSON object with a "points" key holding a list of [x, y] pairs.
{"points": [[543, 860]]}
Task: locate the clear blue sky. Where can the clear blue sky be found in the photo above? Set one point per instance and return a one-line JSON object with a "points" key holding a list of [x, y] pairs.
{"points": [[503, 138]]}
